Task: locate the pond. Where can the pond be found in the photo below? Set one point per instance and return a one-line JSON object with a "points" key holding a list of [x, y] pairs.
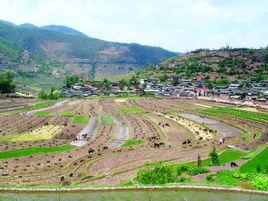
{"points": [[134, 195]]}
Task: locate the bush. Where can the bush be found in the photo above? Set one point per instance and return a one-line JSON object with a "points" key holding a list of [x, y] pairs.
{"points": [[260, 182], [159, 174], [183, 179], [182, 169], [227, 177], [210, 177], [198, 170]]}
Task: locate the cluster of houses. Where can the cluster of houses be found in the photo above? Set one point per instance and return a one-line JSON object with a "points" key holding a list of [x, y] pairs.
{"points": [[186, 88]]}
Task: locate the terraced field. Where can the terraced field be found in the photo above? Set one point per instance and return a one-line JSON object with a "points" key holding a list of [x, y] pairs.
{"points": [[115, 138]]}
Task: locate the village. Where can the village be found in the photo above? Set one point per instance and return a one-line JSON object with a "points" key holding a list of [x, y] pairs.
{"points": [[239, 91]]}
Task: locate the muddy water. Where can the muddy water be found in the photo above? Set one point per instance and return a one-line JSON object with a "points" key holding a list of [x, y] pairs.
{"points": [[223, 129], [134, 195]]}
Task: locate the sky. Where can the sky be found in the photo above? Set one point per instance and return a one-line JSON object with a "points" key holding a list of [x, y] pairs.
{"points": [[176, 25]]}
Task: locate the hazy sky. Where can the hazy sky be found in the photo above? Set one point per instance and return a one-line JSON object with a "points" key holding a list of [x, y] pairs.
{"points": [[178, 25]]}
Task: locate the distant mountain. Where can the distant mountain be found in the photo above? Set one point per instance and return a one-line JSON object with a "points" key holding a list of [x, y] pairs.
{"points": [[51, 52], [28, 26], [63, 29]]}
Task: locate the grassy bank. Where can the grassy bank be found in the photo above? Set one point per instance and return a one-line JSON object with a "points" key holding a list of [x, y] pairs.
{"points": [[107, 120], [132, 142], [225, 157], [258, 163], [33, 151], [80, 119], [235, 112], [130, 110]]}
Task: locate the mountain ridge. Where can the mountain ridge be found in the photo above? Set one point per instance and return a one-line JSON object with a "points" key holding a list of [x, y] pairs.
{"points": [[56, 51]]}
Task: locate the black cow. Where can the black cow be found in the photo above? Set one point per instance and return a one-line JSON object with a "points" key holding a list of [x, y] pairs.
{"points": [[91, 151], [233, 164]]}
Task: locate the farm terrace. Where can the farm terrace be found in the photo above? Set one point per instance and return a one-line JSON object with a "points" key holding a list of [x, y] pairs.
{"points": [[106, 141]]}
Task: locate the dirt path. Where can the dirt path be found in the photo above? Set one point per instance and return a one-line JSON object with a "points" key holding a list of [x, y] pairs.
{"points": [[58, 104], [121, 133], [87, 133]]}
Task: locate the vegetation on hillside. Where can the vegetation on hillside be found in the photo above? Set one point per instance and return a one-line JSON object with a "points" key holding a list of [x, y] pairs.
{"points": [[6, 82], [216, 67]]}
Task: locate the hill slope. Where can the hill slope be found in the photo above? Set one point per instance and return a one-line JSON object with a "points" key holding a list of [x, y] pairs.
{"points": [[237, 63], [44, 54]]}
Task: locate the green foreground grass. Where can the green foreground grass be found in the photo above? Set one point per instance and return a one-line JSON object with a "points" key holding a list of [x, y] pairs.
{"points": [[34, 151], [107, 120], [132, 142], [80, 119], [130, 110], [260, 161], [235, 112]]}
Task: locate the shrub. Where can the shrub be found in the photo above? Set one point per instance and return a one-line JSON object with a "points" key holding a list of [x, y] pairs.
{"points": [[210, 177], [182, 169], [198, 170], [260, 182], [227, 177], [159, 174], [183, 179]]}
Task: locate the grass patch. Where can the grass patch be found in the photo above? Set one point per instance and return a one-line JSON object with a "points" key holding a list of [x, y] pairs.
{"points": [[43, 113], [132, 142], [235, 112], [225, 157], [42, 133], [67, 114], [260, 161], [130, 110], [107, 120], [80, 119], [33, 151], [42, 104]]}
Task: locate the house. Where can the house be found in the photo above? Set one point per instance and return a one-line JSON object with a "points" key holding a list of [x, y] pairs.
{"points": [[201, 91], [234, 86]]}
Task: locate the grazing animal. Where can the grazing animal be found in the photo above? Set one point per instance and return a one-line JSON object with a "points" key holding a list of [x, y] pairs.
{"points": [[187, 141], [156, 145], [91, 151], [161, 144], [105, 147], [233, 164]]}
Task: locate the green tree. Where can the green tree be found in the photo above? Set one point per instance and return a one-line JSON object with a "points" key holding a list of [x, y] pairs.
{"points": [[122, 84], [163, 77], [71, 80], [208, 84], [222, 82], [214, 157], [133, 81], [106, 84], [6, 82], [8, 75]]}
